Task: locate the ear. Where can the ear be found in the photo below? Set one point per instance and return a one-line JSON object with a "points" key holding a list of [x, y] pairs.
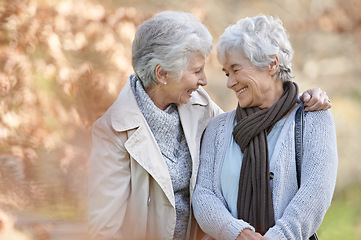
{"points": [[161, 74], [273, 67]]}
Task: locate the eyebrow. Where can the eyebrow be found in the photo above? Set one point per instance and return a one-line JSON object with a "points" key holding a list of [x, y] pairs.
{"points": [[233, 66], [196, 67]]}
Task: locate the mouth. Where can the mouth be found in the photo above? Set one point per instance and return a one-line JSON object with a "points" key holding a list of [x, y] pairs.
{"points": [[241, 91]]}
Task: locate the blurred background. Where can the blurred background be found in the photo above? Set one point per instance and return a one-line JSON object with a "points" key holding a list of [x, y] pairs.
{"points": [[63, 63]]}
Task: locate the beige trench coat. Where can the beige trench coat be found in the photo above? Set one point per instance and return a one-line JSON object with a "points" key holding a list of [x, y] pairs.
{"points": [[130, 193]]}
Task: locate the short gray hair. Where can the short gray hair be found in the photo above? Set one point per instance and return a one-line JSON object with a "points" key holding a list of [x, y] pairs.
{"points": [[260, 39], [168, 39]]}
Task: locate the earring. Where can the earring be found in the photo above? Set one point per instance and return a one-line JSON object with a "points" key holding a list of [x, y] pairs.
{"points": [[165, 83]]}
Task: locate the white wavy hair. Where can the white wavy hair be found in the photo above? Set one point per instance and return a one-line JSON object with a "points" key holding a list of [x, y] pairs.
{"points": [[259, 39], [168, 39]]}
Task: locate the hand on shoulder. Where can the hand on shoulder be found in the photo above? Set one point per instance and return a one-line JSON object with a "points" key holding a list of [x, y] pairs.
{"points": [[315, 99]]}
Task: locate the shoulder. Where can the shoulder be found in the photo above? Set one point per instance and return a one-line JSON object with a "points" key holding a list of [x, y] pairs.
{"points": [[103, 133], [222, 121], [319, 118], [319, 127], [103, 123], [223, 117]]}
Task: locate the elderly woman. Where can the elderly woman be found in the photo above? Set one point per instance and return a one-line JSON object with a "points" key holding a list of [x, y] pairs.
{"points": [[145, 153], [247, 186]]}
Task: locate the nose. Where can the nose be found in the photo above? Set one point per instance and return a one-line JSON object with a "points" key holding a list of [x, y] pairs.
{"points": [[231, 81], [202, 80]]}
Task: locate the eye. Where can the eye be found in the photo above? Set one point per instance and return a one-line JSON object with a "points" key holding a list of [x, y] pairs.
{"points": [[237, 70], [199, 71], [227, 74]]}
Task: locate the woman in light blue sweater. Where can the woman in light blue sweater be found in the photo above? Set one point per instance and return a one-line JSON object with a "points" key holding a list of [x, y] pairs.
{"points": [[247, 183]]}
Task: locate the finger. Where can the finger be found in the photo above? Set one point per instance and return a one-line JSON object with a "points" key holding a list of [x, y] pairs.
{"points": [[305, 97], [322, 102], [313, 100], [317, 105], [327, 102], [323, 96], [315, 94]]}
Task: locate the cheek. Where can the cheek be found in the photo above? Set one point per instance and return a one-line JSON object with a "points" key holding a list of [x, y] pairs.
{"points": [[254, 81], [189, 83], [180, 91]]}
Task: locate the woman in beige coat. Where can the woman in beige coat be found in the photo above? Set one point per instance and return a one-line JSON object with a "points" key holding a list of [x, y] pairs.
{"points": [[145, 153]]}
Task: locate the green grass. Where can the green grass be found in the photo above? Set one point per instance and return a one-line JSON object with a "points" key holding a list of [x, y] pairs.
{"points": [[343, 219]]}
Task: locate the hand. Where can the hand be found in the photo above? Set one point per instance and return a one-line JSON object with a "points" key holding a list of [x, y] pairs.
{"points": [[315, 99], [248, 234]]}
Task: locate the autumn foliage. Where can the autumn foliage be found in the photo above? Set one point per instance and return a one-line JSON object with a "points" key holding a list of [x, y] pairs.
{"points": [[60, 68], [62, 64]]}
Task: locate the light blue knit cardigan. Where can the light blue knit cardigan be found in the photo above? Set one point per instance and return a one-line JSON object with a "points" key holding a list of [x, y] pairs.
{"points": [[298, 212]]}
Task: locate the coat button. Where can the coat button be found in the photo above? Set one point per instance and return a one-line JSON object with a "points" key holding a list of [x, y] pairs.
{"points": [[271, 175], [148, 202]]}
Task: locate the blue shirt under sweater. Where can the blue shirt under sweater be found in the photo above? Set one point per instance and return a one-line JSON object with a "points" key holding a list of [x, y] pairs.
{"points": [[232, 166]]}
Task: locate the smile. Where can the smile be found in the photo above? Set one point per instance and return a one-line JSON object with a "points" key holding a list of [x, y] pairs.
{"points": [[241, 91]]}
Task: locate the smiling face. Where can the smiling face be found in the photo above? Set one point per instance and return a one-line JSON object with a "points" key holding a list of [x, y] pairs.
{"points": [[254, 87], [180, 91]]}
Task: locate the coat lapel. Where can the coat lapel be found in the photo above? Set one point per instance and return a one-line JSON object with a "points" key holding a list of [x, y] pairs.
{"points": [[194, 120], [142, 146], [141, 143]]}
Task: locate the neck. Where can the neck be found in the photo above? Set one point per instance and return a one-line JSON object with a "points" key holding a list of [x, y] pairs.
{"points": [[273, 96], [156, 94]]}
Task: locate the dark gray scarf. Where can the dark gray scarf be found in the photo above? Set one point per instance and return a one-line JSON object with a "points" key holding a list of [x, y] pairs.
{"points": [[254, 203]]}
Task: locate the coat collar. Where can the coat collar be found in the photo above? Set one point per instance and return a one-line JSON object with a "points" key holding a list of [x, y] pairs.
{"points": [[126, 114]]}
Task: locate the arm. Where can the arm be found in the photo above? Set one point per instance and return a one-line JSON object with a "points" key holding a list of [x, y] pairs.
{"points": [[315, 99], [208, 204], [109, 183], [304, 213]]}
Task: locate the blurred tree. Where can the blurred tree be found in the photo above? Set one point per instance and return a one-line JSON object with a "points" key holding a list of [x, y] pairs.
{"points": [[62, 64]]}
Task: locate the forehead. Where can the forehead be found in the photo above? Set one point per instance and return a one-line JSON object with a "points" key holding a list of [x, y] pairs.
{"points": [[235, 58], [196, 60]]}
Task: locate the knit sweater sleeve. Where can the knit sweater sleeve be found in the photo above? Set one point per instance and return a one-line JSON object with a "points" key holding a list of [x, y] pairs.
{"points": [[304, 213], [209, 206]]}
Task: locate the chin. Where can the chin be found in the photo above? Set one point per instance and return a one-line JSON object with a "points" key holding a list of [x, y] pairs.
{"points": [[242, 105], [185, 101]]}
